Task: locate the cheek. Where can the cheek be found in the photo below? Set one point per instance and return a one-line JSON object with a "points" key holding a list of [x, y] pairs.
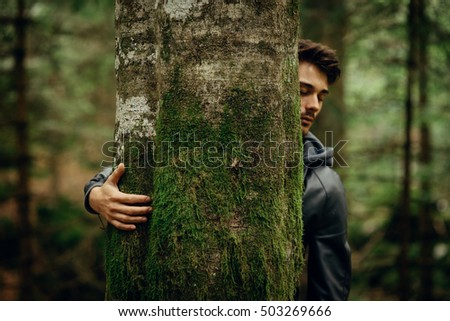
{"points": [[303, 104]]}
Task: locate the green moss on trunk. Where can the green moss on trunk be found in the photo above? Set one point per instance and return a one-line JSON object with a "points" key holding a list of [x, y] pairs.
{"points": [[227, 232], [126, 252]]}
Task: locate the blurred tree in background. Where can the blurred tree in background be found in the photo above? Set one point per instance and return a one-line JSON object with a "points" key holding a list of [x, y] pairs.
{"points": [[374, 39], [70, 106], [70, 103]]}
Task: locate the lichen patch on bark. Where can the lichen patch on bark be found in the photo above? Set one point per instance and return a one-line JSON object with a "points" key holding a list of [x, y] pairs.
{"points": [[133, 119], [180, 9]]}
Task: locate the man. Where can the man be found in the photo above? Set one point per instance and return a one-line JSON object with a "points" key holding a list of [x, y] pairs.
{"points": [[324, 205]]}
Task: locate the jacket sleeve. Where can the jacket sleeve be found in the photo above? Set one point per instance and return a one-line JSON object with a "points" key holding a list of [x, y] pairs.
{"points": [[329, 256], [98, 180]]}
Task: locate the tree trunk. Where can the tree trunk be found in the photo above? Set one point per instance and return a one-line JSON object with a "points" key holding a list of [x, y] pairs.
{"points": [[425, 201], [214, 86], [23, 158], [404, 290]]}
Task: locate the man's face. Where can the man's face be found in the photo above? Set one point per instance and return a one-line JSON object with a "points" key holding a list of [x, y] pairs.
{"points": [[313, 89]]}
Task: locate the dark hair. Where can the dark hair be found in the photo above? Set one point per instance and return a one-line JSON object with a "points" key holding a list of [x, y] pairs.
{"points": [[321, 56]]}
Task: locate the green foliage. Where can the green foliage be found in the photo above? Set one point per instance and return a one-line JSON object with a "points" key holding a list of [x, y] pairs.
{"points": [[70, 78], [377, 46], [72, 75], [375, 69], [70, 254], [69, 251]]}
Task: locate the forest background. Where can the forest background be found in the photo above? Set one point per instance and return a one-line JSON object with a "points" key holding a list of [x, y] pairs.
{"points": [[387, 119]]}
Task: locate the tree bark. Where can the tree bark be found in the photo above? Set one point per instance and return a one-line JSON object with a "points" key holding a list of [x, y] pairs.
{"points": [[214, 86], [23, 157], [404, 286], [425, 161]]}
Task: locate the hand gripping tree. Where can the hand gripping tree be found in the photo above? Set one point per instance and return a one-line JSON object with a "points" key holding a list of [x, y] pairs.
{"points": [[208, 125]]}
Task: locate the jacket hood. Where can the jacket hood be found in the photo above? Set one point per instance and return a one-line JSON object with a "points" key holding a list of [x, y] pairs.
{"points": [[314, 153]]}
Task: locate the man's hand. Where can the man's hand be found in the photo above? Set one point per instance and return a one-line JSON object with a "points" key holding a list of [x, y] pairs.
{"points": [[120, 210]]}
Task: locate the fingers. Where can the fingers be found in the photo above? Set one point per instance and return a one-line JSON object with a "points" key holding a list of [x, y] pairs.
{"points": [[117, 174], [128, 219], [124, 227], [132, 210], [125, 222], [124, 217], [131, 198], [120, 209], [120, 197]]}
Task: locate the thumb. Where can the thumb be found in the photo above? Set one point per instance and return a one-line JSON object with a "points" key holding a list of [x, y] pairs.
{"points": [[117, 174]]}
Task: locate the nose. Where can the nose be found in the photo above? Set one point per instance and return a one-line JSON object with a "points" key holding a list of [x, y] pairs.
{"points": [[310, 103]]}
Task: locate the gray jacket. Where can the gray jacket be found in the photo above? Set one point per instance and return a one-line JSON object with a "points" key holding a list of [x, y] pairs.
{"points": [[324, 218]]}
